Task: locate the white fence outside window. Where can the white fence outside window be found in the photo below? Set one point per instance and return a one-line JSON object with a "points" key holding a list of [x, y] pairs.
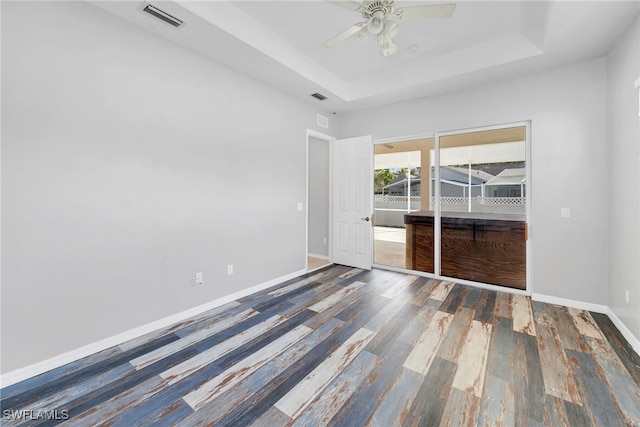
{"points": [[390, 210]]}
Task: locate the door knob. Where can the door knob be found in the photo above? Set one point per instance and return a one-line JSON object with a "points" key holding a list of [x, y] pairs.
{"points": [[366, 218]]}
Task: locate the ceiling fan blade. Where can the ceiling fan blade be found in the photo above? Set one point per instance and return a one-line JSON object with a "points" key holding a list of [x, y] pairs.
{"points": [[345, 34], [347, 4], [427, 11]]}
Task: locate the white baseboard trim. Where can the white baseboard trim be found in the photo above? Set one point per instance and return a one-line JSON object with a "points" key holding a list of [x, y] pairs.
{"points": [[30, 371], [318, 256], [633, 341], [598, 308]]}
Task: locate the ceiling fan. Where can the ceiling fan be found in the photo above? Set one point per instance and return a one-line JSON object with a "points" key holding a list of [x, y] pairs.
{"points": [[380, 20]]}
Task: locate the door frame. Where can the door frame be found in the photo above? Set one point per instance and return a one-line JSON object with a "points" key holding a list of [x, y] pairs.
{"points": [[329, 140], [437, 214]]}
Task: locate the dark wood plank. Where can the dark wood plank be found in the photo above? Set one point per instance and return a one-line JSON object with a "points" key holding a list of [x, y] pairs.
{"points": [[486, 306], [600, 406], [629, 358], [501, 351], [529, 392], [627, 392], [577, 415], [431, 399], [374, 388], [454, 299]]}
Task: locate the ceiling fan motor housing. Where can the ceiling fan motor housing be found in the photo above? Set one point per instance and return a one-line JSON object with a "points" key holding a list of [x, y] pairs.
{"points": [[371, 7]]}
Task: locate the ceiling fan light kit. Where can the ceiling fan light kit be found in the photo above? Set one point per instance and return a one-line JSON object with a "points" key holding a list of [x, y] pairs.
{"points": [[380, 20]]}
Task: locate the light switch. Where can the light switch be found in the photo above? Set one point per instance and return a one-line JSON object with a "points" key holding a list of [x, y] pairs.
{"points": [[565, 213], [299, 206]]}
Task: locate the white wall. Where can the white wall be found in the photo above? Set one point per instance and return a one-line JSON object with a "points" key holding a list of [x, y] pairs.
{"points": [[567, 107], [623, 144], [318, 196], [124, 160]]}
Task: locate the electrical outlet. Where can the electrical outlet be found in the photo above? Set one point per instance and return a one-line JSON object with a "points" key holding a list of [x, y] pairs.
{"points": [[324, 240], [229, 269], [299, 206], [199, 279], [626, 296]]}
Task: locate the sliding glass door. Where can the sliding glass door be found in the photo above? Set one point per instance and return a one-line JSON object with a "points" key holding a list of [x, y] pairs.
{"points": [[454, 206], [482, 204], [398, 190]]}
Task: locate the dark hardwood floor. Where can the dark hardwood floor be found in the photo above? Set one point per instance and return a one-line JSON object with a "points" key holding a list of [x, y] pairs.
{"points": [[346, 347]]}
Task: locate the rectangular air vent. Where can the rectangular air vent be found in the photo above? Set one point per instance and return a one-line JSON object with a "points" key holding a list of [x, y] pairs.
{"points": [[319, 96], [169, 19], [322, 121]]}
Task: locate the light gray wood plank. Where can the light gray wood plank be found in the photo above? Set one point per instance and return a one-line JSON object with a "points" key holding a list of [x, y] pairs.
{"points": [[441, 290], [218, 385], [558, 375], [462, 409], [297, 351], [585, 323], [497, 406], [188, 367], [184, 342], [326, 405], [456, 334], [136, 342], [336, 297], [472, 362], [422, 355], [298, 398], [522, 316], [215, 410], [399, 286], [503, 305], [298, 284]]}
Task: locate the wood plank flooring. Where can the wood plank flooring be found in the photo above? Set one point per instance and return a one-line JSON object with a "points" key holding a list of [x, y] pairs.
{"points": [[346, 347]]}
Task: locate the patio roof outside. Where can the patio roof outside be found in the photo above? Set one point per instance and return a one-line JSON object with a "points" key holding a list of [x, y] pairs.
{"points": [[508, 177]]}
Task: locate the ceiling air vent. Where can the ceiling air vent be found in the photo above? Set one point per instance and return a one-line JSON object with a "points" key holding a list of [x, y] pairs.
{"points": [[319, 96], [169, 19]]}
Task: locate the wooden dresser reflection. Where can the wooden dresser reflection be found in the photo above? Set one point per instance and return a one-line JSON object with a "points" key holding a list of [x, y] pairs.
{"points": [[487, 248]]}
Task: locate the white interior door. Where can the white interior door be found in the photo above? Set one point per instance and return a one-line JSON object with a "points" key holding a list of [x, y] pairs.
{"points": [[352, 189]]}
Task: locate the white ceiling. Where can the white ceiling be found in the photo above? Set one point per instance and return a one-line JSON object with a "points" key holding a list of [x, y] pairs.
{"points": [[280, 43]]}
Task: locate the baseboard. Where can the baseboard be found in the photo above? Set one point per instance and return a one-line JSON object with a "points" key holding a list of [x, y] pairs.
{"points": [[22, 374], [603, 309], [598, 308], [633, 341], [318, 256]]}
